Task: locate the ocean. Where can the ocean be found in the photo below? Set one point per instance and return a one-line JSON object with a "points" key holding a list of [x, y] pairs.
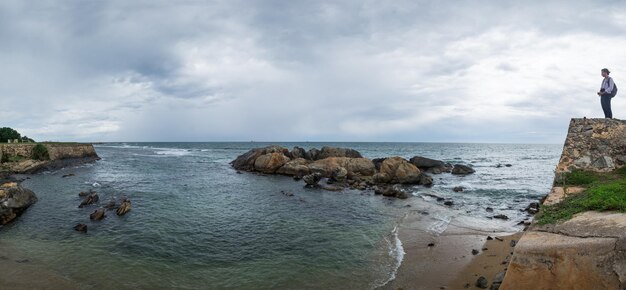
{"points": [[196, 224]]}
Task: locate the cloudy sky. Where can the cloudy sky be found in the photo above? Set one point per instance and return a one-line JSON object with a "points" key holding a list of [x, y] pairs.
{"points": [[459, 71]]}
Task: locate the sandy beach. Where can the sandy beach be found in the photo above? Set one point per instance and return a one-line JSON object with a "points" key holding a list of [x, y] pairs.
{"points": [[438, 253]]}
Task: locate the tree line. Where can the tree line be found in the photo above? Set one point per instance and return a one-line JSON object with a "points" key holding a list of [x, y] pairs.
{"points": [[7, 134]]}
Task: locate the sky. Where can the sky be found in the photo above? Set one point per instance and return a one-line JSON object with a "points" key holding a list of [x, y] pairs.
{"points": [[382, 71]]}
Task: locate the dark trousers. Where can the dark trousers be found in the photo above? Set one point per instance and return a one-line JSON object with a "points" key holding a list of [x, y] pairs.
{"points": [[606, 106]]}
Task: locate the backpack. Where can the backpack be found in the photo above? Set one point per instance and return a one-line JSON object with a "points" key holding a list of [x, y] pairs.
{"points": [[614, 91]]}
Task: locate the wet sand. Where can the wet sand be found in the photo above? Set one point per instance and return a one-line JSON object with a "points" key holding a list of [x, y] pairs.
{"points": [[18, 271], [438, 253]]}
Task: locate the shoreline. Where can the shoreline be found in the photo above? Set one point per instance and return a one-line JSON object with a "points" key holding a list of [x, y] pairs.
{"points": [[438, 252]]}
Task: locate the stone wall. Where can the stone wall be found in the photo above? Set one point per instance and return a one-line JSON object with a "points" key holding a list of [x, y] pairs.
{"points": [[588, 251], [594, 144], [56, 151]]}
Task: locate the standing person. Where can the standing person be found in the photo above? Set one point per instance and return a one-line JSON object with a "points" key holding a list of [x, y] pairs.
{"points": [[608, 89]]}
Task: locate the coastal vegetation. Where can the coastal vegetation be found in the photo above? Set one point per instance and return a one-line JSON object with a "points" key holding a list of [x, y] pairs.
{"points": [[603, 192], [40, 152]]}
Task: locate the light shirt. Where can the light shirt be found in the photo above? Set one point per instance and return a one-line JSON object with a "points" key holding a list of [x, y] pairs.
{"points": [[607, 85]]}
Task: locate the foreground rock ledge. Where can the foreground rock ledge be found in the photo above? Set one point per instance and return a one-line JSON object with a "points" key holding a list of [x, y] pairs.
{"points": [[589, 250], [342, 166]]}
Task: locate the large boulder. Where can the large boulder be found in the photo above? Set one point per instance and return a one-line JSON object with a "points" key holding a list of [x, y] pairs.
{"points": [[397, 170], [14, 199], [312, 154], [430, 165], [297, 152], [460, 169], [312, 179], [327, 152], [358, 166], [247, 160], [295, 167], [270, 162]]}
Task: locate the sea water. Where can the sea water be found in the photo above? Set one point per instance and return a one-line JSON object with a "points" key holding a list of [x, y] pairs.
{"points": [[197, 224]]}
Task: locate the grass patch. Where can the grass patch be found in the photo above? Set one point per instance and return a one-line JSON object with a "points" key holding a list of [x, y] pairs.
{"points": [[580, 177], [605, 192]]}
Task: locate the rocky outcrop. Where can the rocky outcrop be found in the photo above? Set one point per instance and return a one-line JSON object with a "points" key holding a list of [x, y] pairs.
{"points": [[343, 167], [14, 199]]}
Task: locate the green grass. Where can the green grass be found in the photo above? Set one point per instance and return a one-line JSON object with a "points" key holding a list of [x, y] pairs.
{"points": [[604, 192]]}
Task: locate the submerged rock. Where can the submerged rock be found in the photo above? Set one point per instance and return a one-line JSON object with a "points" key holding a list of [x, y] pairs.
{"points": [[91, 199], [111, 204], [458, 189], [97, 214], [391, 191], [14, 199], [124, 207], [460, 169], [81, 228]]}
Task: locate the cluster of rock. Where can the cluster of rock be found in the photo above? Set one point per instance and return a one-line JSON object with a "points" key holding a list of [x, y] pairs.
{"points": [[344, 167], [14, 199], [91, 198]]}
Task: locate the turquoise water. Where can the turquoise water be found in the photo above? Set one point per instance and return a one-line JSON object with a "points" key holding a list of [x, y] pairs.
{"points": [[196, 224]]}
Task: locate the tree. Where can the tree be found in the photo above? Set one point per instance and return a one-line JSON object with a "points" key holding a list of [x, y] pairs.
{"points": [[7, 133]]}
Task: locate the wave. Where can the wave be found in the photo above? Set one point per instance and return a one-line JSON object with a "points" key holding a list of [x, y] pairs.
{"points": [[396, 252], [171, 151]]}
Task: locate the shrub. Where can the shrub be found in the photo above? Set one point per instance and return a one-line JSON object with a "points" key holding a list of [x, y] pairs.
{"points": [[40, 152]]}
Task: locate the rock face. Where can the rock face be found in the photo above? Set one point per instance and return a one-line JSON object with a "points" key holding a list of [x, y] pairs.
{"points": [[14, 199], [60, 155]]}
